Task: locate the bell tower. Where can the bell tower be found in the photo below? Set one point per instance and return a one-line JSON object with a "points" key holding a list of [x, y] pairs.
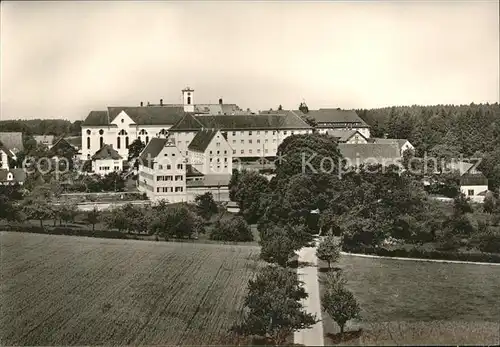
{"points": [[188, 99]]}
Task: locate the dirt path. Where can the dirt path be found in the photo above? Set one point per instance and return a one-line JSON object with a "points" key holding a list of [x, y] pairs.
{"points": [[309, 274]]}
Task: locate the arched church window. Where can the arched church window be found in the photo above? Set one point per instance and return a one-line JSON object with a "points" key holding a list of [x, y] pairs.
{"points": [[101, 142], [147, 140], [118, 142], [88, 142], [189, 100], [126, 142], [122, 132]]}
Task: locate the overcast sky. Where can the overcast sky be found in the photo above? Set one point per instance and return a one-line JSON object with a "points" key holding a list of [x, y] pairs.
{"points": [[63, 59]]}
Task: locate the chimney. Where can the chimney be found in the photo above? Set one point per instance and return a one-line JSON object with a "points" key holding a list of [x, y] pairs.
{"points": [[220, 101], [161, 102], [142, 104]]}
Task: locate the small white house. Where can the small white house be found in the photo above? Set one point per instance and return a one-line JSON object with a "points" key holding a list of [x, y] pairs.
{"points": [[210, 153], [5, 154], [106, 160], [473, 183]]}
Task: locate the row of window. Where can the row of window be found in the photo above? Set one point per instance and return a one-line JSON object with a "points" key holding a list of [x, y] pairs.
{"points": [[250, 141], [218, 160], [250, 151], [169, 167], [218, 152], [169, 178], [266, 132], [169, 189], [123, 132], [101, 142], [106, 168]]}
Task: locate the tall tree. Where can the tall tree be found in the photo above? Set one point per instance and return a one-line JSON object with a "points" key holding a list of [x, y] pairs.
{"points": [[92, 217], [135, 148], [274, 308]]}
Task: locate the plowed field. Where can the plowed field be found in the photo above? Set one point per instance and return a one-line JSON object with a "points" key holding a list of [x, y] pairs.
{"points": [[64, 290]]}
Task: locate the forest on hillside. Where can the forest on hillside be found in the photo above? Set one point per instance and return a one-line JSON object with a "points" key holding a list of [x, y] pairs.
{"points": [[469, 130], [56, 127]]}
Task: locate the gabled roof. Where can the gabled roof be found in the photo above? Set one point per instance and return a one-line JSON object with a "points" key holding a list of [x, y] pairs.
{"points": [[400, 142], [191, 171], [153, 148], [202, 139], [61, 143], [44, 138], [106, 152], [149, 115], [217, 109], [7, 151], [333, 115], [369, 153], [143, 115], [75, 141], [345, 135], [188, 122], [96, 118], [477, 179], [18, 175], [258, 121], [12, 140]]}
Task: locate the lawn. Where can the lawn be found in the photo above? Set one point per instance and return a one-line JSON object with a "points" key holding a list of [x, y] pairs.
{"points": [[409, 302], [64, 290]]}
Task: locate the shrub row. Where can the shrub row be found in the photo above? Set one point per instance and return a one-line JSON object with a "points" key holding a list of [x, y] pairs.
{"points": [[107, 234], [424, 254]]}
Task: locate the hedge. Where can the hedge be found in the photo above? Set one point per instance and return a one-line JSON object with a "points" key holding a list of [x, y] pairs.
{"points": [[107, 234], [424, 254]]}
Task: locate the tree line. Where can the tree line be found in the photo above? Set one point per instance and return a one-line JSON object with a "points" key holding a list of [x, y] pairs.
{"points": [[444, 131], [56, 127]]}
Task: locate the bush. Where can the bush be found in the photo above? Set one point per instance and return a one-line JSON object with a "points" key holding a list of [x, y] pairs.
{"points": [[235, 229]]}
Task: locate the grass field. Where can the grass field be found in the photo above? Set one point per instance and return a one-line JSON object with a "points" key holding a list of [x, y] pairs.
{"points": [[409, 302], [63, 290]]}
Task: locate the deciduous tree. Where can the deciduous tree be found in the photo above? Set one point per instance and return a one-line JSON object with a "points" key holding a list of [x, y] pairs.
{"points": [[274, 309], [206, 205], [328, 250], [92, 217], [234, 229], [135, 148], [339, 302]]}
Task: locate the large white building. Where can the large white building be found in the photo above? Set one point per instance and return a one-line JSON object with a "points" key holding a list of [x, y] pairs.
{"points": [[190, 148], [249, 135]]}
